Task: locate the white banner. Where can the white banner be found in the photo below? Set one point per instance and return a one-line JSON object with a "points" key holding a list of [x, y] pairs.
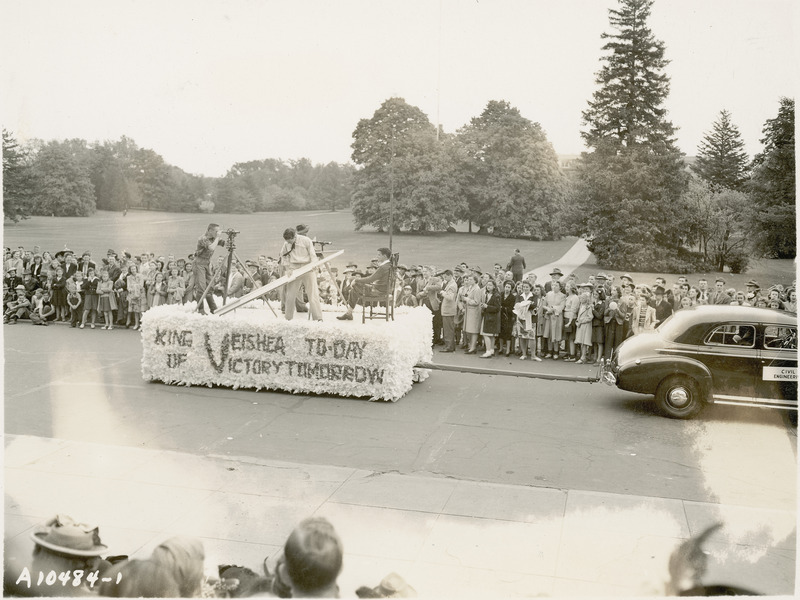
{"points": [[780, 374]]}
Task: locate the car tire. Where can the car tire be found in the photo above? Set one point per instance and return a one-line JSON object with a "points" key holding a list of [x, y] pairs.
{"points": [[678, 397]]}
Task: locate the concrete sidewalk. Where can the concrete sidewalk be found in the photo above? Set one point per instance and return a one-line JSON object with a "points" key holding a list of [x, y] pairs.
{"points": [[447, 537]]}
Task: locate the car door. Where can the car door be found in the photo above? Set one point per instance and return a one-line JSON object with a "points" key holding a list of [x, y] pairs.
{"points": [[777, 381], [730, 353]]}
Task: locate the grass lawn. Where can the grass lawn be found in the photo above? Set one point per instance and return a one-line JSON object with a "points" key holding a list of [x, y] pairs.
{"points": [[177, 233]]}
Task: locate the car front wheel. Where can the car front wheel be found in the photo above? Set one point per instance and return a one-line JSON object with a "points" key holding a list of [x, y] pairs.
{"points": [[678, 397]]}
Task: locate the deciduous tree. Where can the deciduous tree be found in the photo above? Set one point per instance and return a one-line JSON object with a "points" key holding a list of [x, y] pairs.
{"points": [[772, 185], [512, 181], [64, 188], [400, 159], [721, 218]]}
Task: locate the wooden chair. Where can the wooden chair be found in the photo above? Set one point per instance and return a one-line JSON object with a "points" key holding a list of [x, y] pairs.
{"points": [[380, 304]]}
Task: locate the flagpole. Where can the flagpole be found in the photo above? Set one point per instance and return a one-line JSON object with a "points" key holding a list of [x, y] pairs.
{"points": [[391, 192]]}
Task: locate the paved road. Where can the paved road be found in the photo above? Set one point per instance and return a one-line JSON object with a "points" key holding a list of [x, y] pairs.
{"points": [[86, 386]]}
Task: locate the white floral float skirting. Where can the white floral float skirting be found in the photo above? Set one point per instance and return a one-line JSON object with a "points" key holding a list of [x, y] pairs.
{"points": [[250, 348]]}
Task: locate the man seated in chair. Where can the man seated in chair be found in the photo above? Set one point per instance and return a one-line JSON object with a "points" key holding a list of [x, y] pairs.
{"points": [[373, 285]]}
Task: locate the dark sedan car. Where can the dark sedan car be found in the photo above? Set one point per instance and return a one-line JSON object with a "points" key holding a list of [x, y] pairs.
{"points": [[721, 354]]}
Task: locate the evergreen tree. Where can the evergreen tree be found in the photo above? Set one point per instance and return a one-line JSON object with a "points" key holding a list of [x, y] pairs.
{"points": [[18, 180], [772, 186], [633, 178], [721, 159]]}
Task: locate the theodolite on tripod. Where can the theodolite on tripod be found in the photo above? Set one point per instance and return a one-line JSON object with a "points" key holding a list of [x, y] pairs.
{"points": [[230, 245]]}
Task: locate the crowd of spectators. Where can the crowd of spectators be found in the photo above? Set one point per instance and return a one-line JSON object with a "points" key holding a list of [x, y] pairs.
{"points": [[116, 289], [498, 312], [69, 559], [307, 566], [502, 312]]}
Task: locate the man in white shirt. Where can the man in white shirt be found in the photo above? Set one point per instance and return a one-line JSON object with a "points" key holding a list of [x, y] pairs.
{"points": [[297, 251]]}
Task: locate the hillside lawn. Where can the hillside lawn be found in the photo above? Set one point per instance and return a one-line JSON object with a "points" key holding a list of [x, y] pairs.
{"points": [[176, 233], [261, 233]]}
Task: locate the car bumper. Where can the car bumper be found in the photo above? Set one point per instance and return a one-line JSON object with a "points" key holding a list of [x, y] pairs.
{"points": [[608, 372]]}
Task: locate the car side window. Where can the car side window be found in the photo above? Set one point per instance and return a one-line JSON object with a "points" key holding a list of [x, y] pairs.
{"points": [[743, 336], [780, 337]]}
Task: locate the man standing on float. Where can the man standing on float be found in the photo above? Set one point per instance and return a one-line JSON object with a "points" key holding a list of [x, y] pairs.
{"points": [[297, 251], [201, 266]]}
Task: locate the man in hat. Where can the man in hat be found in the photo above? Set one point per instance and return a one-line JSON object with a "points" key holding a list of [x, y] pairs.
{"points": [[349, 276], [19, 308], [86, 263], [61, 546], [31, 283], [448, 310], [11, 279], [753, 290], [555, 275], [662, 305], [201, 266], [375, 284], [298, 251]]}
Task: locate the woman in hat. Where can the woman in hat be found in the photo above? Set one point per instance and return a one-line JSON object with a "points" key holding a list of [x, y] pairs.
{"points": [[570, 315], [583, 323], [473, 298], [507, 318], [554, 302], [490, 308], [598, 324]]}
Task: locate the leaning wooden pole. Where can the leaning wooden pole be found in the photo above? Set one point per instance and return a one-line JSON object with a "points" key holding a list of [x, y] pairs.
{"points": [[507, 373]]}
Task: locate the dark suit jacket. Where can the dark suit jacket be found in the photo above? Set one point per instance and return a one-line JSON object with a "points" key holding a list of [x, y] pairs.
{"points": [[379, 279], [663, 310]]}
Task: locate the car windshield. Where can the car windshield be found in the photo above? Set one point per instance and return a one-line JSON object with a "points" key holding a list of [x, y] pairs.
{"points": [[673, 325]]}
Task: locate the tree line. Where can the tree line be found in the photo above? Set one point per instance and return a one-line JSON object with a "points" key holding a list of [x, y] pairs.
{"points": [[645, 206], [632, 191], [75, 178]]}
